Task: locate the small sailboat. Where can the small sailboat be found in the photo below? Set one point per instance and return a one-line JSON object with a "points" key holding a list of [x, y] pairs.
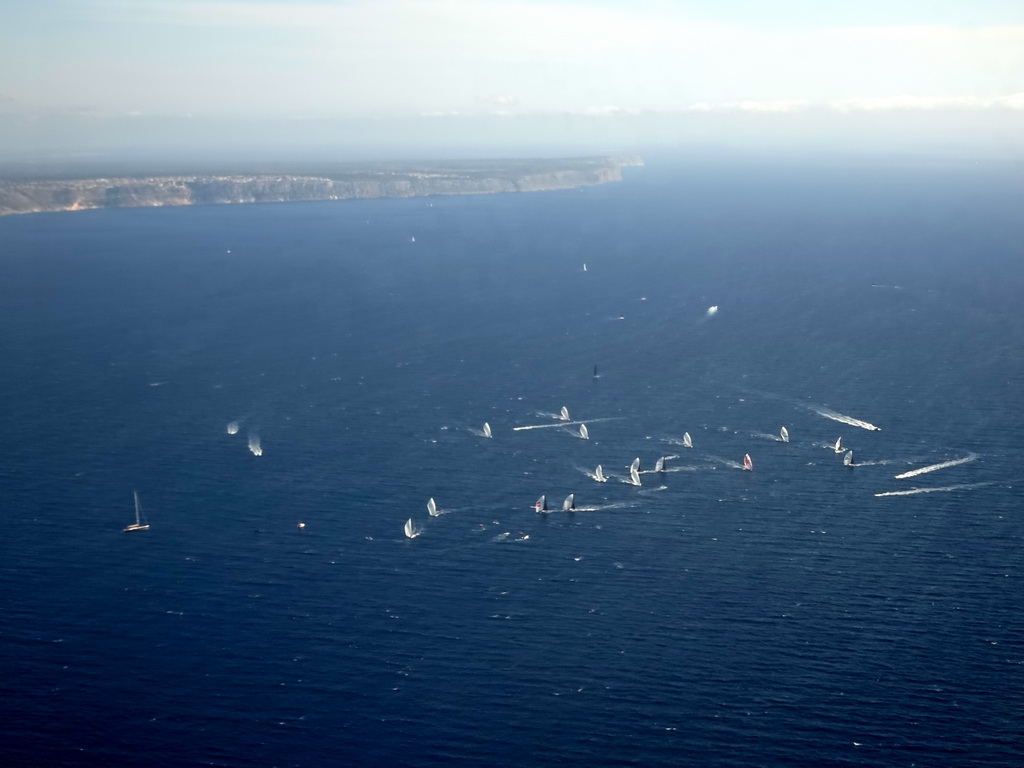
{"points": [[432, 508], [564, 414], [599, 475], [584, 266], [570, 503], [410, 530], [141, 523], [542, 505], [487, 429], [584, 433], [687, 441], [634, 477], [838, 447], [595, 373], [848, 459], [784, 435], [659, 465], [635, 466], [748, 465]]}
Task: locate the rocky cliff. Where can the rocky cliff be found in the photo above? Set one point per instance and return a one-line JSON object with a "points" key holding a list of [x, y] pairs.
{"points": [[463, 178]]}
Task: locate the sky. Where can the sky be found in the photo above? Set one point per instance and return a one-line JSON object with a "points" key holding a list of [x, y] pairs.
{"points": [[390, 75]]}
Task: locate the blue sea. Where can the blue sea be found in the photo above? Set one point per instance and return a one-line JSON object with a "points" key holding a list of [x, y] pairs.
{"points": [[787, 616]]}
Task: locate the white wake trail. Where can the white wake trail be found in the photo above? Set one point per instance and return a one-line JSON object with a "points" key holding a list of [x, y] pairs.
{"points": [[565, 423], [943, 489], [936, 467], [828, 413]]}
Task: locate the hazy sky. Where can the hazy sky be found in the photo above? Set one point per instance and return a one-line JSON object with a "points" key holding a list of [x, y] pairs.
{"points": [[640, 67]]}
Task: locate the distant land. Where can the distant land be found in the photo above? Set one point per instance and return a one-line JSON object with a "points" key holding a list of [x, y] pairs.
{"points": [[23, 193]]}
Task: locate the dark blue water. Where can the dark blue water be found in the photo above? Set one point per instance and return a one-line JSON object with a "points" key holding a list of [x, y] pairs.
{"points": [[712, 617]]}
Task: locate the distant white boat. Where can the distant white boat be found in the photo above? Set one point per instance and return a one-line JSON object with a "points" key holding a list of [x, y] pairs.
{"points": [[659, 465], [848, 459], [634, 477], [584, 267], [233, 428], [687, 441], [487, 429], [635, 465], [141, 523], [564, 414], [599, 475], [570, 503], [784, 435], [542, 505], [432, 508], [838, 447], [410, 529], [747, 463], [584, 433], [595, 373]]}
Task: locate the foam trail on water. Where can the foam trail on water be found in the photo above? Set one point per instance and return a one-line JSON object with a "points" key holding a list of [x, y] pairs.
{"points": [[254, 444], [565, 423], [233, 428], [936, 467], [828, 413], [943, 489]]}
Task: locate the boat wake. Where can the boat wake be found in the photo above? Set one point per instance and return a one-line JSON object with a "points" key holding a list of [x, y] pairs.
{"points": [[648, 491], [727, 462], [254, 444], [943, 489], [233, 427], [936, 467], [828, 413], [565, 423]]}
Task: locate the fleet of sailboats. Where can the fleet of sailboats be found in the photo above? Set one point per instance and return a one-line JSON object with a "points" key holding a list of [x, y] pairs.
{"points": [[141, 523]]}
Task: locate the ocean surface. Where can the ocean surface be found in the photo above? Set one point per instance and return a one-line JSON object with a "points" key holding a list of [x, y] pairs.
{"points": [[788, 616]]}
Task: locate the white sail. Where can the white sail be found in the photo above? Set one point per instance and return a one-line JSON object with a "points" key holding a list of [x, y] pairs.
{"points": [[634, 477], [687, 442], [410, 529], [564, 414], [635, 465], [570, 502], [838, 447], [432, 508], [487, 429], [848, 459], [599, 475], [784, 435], [542, 504], [584, 433], [140, 524], [659, 465], [747, 463]]}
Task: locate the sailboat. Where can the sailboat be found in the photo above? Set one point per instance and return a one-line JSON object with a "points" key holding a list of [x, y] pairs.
{"points": [[848, 459], [747, 463], [687, 442], [410, 529], [487, 429], [595, 373], [635, 465], [599, 475], [838, 447], [570, 503], [659, 465], [583, 432], [564, 414], [140, 524], [784, 435], [542, 505], [634, 477], [432, 508]]}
